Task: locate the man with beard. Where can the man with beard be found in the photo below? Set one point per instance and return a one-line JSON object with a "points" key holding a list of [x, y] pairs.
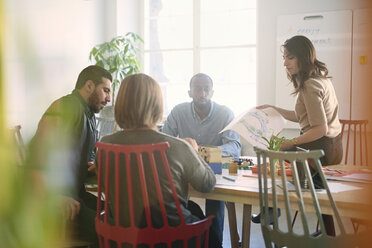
{"points": [[63, 148], [202, 120]]}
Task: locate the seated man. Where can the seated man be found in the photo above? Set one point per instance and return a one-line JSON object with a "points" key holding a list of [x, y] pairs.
{"points": [[64, 146], [202, 120]]}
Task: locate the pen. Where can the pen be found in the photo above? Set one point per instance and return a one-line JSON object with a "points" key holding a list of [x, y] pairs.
{"points": [[301, 149], [228, 178], [338, 171]]}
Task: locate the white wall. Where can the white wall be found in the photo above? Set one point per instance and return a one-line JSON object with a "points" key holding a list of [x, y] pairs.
{"points": [[129, 15], [47, 45], [267, 13]]}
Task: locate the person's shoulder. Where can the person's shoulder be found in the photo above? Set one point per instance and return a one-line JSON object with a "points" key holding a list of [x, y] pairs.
{"points": [[181, 109], [174, 142], [316, 84], [67, 101], [222, 108], [68, 107], [182, 106]]}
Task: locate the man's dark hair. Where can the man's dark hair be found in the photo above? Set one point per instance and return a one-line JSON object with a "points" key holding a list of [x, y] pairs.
{"points": [[94, 73], [201, 75]]}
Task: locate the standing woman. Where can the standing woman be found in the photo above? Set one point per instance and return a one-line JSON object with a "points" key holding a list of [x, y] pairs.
{"points": [[316, 108]]}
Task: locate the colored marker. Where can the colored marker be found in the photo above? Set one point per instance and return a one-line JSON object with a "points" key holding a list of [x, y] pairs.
{"points": [[228, 178]]}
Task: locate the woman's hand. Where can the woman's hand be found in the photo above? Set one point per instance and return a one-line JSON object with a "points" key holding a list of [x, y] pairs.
{"points": [[92, 167], [286, 144], [70, 207], [264, 106]]}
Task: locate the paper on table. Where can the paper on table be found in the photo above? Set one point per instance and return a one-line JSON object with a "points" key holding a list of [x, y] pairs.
{"points": [[240, 181], [254, 124], [339, 187], [333, 187], [360, 176]]}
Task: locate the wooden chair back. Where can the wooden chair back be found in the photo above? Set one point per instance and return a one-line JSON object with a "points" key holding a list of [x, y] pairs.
{"points": [[353, 128]]}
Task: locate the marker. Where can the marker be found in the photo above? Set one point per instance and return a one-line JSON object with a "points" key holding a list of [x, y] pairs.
{"points": [[301, 149], [228, 178]]}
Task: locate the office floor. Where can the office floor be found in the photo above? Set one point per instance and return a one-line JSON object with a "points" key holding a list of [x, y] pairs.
{"points": [[256, 235]]}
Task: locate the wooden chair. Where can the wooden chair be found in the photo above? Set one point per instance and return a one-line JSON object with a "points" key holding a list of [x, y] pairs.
{"points": [[19, 144], [135, 180], [351, 127], [283, 235]]}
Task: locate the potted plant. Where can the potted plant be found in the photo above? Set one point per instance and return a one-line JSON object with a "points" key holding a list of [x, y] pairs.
{"points": [[120, 57], [274, 144]]}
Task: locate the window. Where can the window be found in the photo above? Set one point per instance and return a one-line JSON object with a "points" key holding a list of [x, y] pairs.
{"points": [[216, 37]]}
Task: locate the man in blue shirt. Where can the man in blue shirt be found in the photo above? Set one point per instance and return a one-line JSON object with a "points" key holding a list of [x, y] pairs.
{"points": [[202, 120]]}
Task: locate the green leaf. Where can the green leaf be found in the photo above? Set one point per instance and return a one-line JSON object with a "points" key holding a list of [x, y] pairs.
{"points": [[120, 56]]}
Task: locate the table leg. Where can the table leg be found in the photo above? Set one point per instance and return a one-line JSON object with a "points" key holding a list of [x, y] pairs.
{"points": [[234, 235], [246, 230]]}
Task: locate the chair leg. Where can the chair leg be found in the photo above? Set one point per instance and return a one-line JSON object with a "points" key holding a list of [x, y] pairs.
{"points": [[294, 218], [355, 225], [329, 224], [234, 235], [267, 240]]}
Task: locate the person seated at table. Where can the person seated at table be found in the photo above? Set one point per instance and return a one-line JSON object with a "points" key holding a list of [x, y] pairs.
{"points": [[63, 147], [202, 120], [138, 108], [316, 108]]}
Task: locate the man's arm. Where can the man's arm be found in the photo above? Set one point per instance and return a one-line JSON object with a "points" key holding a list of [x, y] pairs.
{"points": [[230, 139], [231, 144], [53, 147]]}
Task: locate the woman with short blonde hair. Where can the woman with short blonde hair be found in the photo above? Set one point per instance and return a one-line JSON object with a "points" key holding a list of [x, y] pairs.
{"points": [[139, 102], [138, 108]]}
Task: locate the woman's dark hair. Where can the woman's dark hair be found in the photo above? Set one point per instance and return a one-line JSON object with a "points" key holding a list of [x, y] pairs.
{"points": [[309, 66], [94, 73]]}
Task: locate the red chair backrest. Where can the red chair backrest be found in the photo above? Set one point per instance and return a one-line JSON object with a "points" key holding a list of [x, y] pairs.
{"points": [[361, 127], [141, 176]]}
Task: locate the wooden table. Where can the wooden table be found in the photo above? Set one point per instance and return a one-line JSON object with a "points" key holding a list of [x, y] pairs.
{"points": [[350, 203]]}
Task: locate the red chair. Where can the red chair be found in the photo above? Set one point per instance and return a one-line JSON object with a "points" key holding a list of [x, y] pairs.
{"points": [[355, 125], [134, 167]]}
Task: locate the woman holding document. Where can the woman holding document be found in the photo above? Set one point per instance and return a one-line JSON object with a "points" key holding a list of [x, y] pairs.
{"points": [[316, 108]]}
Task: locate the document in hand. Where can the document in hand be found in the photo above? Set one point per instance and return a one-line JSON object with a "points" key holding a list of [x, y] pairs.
{"points": [[254, 124]]}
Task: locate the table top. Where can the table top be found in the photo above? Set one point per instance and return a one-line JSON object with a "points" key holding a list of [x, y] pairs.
{"points": [[355, 203]]}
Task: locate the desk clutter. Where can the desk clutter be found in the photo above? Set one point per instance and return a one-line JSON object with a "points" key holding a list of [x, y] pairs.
{"points": [[238, 163], [356, 175], [213, 156], [287, 167]]}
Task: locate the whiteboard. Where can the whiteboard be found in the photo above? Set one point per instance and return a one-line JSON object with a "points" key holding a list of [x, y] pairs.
{"points": [[361, 100], [331, 34]]}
